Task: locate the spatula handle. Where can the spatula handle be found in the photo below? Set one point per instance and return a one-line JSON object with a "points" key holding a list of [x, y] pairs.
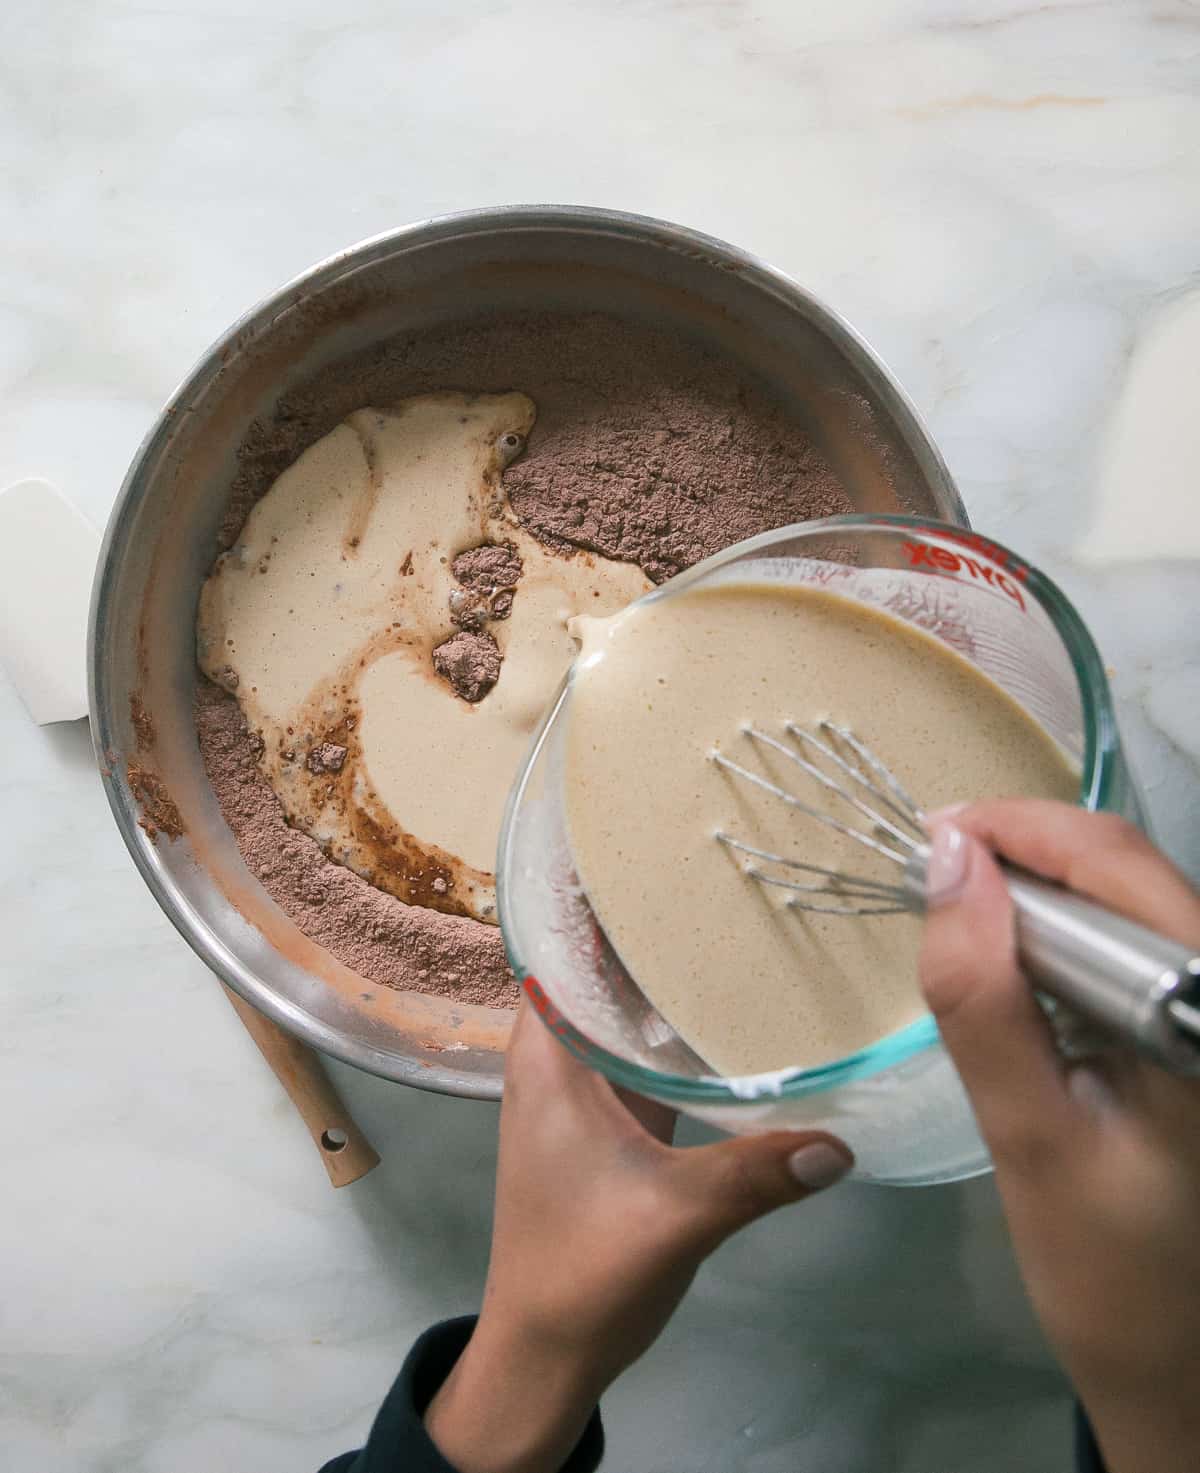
{"points": [[344, 1150]]}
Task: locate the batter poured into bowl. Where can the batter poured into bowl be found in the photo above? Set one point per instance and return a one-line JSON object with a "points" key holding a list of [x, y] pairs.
{"points": [[647, 453], [750, 983], [383, 620]]}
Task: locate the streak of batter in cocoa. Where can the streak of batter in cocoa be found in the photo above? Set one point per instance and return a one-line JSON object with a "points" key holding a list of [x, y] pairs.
{"points": [[376, 935], [409, 869], [646, 448], [361, 513]]}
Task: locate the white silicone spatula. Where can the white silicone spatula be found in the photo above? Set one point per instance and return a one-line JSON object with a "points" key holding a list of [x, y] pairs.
{"points": [[47, 557]]}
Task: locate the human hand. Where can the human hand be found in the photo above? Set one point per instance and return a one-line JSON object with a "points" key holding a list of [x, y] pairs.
{"points": [[1098, 1164], [600, 1226]]}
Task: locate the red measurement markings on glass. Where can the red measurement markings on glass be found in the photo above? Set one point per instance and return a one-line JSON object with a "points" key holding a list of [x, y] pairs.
{"points": [[544, 1008], [1000, 571]]}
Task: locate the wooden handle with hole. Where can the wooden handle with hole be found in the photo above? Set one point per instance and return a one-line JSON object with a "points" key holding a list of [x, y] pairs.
{"points": [[346, 1152]]}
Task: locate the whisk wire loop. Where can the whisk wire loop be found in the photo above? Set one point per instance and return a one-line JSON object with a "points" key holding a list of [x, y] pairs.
{"points": [[891, 795], [806, 808], [882, 771], [843, 884], [875, 818], [1131, 981], [896, 838]]}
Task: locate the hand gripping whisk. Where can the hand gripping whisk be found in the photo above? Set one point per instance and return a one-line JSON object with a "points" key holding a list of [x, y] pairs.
{"points": [[1119, 975]]}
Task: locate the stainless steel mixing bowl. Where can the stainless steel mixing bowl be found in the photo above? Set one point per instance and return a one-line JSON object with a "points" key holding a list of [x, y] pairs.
{"points": [[161, 541]]}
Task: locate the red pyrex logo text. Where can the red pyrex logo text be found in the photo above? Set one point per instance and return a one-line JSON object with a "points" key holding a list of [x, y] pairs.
{"points": [[920, 554]]}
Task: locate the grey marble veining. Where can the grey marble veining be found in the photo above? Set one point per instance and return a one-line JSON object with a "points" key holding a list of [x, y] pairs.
{"points": [[1005, 198]]}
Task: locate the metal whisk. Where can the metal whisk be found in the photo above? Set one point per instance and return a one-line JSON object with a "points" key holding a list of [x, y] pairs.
{"points": [[1122, 976]]}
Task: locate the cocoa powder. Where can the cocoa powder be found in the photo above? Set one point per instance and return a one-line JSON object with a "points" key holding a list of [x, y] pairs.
{"points": [[142, 723], [646, 448], [470, 661], [325, 757], [489, 575], [157, 811]]}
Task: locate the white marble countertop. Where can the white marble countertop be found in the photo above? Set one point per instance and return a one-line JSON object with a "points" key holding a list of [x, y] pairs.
{"points": [[1004, 198]]}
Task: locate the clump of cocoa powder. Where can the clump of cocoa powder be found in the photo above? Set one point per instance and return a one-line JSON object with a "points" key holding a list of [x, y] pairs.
{"points": [[647, 448], [157, 811], [485, 569], [325, 757], [489, 576], [470, 661]]}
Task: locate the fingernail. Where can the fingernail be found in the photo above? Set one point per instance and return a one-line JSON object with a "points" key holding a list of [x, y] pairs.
{"points": [[949, 860], [818, 1166], [939, 815]]}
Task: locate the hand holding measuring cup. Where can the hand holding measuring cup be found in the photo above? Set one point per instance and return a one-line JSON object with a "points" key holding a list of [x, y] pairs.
{"points": [[1098, 1163], [1017, 629], [600, 1226]]}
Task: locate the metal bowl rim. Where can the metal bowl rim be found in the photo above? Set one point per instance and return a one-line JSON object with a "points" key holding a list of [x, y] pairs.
{"points": [[433, 230]]}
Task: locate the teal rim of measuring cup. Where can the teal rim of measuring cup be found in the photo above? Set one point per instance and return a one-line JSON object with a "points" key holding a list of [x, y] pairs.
{"points": [[1103, 785]]}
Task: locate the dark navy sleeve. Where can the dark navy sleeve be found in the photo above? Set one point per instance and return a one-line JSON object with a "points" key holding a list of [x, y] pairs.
{"points": [[1087, 1454], [399, 1443]]}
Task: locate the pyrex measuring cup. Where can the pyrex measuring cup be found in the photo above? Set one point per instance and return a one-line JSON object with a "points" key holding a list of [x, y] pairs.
{"points": [[898, 1103]]}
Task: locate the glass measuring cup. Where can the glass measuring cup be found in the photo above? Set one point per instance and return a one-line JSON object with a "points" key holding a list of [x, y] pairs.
{"points": [[898, 1103]]}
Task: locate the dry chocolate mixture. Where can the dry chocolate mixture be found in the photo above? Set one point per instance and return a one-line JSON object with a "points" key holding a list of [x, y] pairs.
{"points": [[646, 448], [470, 660]]}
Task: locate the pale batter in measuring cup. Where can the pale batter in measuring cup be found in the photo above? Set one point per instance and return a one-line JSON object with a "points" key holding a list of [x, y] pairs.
{"points": [[751, 984]]}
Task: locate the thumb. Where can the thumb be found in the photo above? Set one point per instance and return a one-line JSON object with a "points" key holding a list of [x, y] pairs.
{"points": [[724, 1186], [985, 1007]]}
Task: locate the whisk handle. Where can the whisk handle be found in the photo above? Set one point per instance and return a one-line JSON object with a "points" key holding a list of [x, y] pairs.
{"points": [[1120, 975], [1117, 973]]}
